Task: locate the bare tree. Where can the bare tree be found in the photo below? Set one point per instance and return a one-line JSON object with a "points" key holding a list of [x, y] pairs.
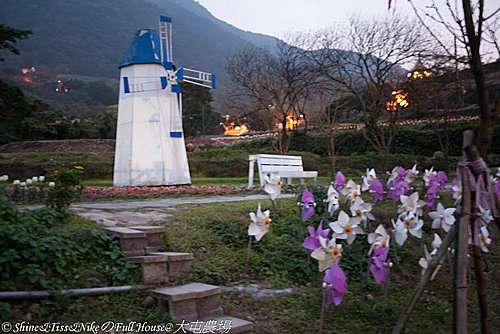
{"points": [[365, 59], [277, 80], [468, 22]]}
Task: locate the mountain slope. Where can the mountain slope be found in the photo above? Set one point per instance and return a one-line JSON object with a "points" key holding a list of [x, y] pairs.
{"points": [[88, 38]]}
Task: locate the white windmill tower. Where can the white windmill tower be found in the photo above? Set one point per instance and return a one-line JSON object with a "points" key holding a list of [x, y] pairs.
{"points": [[150, 148]]}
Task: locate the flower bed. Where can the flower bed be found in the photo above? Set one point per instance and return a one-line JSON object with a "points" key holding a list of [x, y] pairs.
{"points": [[35, 194]]}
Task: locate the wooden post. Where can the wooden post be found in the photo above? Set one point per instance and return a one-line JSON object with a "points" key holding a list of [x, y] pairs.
{"points": [[461, 262], [423, 280], [472, 155], [481, 286]]}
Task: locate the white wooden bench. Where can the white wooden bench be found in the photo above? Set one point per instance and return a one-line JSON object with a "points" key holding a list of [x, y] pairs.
{"points": [[287, 166]]}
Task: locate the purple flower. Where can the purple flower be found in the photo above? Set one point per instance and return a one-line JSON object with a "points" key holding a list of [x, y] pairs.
{"points": [[307, 204], [433, 181], [442, 179], [339, 181], [497, 189], [396, 189], [453, 183], [402, 173], [379, 265], [312, 242], [377, 190], [337, 284], [430, 197]]}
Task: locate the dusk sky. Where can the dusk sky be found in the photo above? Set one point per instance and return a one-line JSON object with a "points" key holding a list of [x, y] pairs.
{"points": [[278, 17], [281, 16]]}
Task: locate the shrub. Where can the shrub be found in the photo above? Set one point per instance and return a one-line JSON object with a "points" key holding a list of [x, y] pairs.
{"points": [[49, 250]]}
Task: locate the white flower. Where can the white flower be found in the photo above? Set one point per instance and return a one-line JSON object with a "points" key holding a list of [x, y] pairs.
{"points": [[29, 181], [272, 185], [442, 218], [436, 243], [393, 175], [259, 225], [362, 210], [34, 179], [400, 232], [351, 190], [379, 238], [411, 204], [52, 184], [484, 238], [346, 228], [4, 178], [428, 174], [425, 261], [498, 173], [332, 197], [412, 224], [23, 184], [41, 178], [368, 179], [486, 216], [329, 253], [457, 193], [16, 182], [412, 174]]}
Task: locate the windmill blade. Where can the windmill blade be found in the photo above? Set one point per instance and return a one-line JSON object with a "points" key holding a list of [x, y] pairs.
{"points": [[167, 57], [196, 77]]}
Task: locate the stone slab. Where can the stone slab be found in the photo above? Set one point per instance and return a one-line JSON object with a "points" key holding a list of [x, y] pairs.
{"points": [[125, 232], [149, 229], [132, 242], [148, 259], [177, 264], [232, 324], [187, 291], [154, 268], [173, 256]]}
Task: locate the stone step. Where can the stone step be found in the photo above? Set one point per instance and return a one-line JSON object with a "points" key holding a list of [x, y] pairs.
{"points": [[154, 268], [191, 302], [177, 264], [154, 242], [220, 324], [132, 242]]}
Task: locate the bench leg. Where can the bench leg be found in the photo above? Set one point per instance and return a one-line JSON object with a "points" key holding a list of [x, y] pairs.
{"points": [[289, 180], [250, 174], [302, 181]]}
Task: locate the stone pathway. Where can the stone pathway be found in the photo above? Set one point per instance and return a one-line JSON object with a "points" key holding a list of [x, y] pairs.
{"points": [[122, 213], [170, 202]]}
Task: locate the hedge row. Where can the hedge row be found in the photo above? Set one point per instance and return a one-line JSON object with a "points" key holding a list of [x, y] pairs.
{"points": [[411, 141]]}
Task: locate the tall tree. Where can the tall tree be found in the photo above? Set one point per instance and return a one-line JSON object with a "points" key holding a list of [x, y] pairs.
{"points": [[10, 36], [277, 81], [198, 115], [364, 58], [472, 26]]}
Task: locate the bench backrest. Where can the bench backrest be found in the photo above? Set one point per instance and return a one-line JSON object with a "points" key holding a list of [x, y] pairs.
{"points": [[284, 165]]}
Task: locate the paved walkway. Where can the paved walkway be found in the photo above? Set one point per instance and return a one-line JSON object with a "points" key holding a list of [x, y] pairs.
{"points": [[162, 203]]}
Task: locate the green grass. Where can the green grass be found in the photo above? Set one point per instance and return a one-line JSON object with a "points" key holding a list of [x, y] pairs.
{"points": [[216, 235]]}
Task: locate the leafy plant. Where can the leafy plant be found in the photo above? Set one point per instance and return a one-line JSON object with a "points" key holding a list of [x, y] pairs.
{"points": [[67, 187]]}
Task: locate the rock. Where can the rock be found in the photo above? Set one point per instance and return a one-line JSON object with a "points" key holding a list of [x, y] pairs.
{"points": [[97, 275], [149, 302], [33, 306], [438, 155]]}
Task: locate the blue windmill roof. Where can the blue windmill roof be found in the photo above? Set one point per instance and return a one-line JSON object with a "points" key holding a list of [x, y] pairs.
{"points": [[143, 49]]}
